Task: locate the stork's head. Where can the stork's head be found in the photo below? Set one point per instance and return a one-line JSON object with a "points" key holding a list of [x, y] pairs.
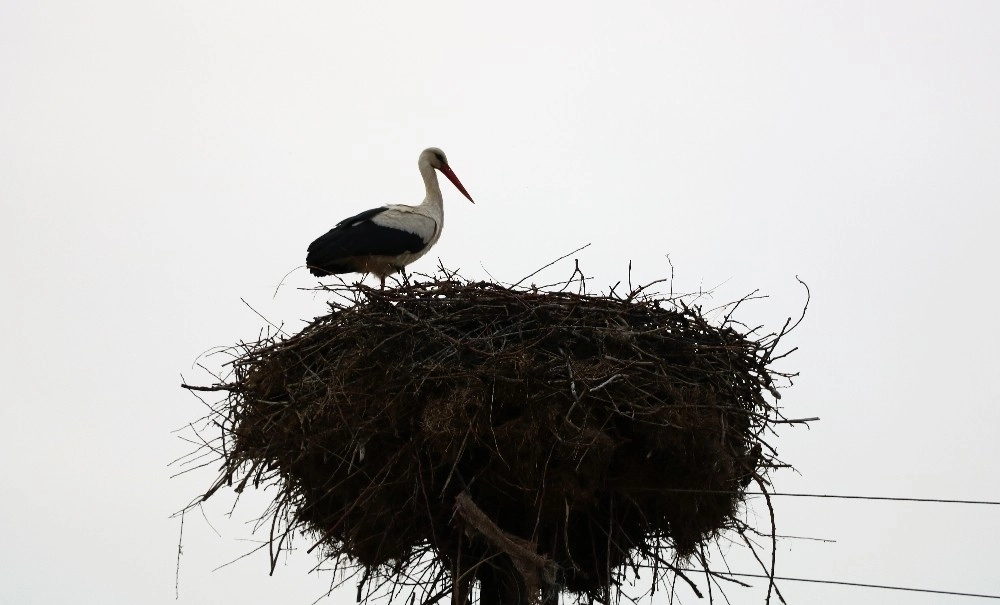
{"points": [[436, 159]]}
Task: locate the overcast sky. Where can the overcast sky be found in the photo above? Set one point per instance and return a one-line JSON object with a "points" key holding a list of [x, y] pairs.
{"points": [[159, 161]]}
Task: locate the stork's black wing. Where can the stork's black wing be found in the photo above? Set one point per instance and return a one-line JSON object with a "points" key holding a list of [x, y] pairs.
{"points": [[358, 236]]}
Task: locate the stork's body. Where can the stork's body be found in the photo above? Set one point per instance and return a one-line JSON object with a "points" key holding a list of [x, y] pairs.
{"points": [[384, 240]]}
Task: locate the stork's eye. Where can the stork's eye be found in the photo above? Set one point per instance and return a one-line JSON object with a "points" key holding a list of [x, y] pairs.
{"points": [[440, 158]]}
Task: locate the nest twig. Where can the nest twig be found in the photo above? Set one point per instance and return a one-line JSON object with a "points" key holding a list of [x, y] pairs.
{"points": [[538, 441]]}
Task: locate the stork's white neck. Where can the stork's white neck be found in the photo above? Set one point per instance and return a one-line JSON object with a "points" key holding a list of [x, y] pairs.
{"points": [[432, 189]]}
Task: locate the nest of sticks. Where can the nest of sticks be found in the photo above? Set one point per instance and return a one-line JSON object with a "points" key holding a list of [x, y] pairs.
{"points": [[535, 441]]}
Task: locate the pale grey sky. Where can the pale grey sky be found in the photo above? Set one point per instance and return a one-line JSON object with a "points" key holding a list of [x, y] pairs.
{"points": [[161, 160]]}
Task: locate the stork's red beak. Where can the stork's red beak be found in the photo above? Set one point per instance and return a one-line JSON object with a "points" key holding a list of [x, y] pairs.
{"points": [[454, 180]]}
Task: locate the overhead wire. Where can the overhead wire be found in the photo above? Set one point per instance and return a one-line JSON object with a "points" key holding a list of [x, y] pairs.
{"points": [[839, 496], [853, 584], [845, 583], [886, 498]]}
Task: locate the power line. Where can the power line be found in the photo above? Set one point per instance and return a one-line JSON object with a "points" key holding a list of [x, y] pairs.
{"points": [[854, 584], [837, 496], [889, 498]]}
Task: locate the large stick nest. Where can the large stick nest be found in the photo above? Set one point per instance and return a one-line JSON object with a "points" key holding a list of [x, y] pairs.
{"points": [[566, 434]]}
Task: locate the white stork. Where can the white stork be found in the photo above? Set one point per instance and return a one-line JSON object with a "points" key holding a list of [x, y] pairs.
{"points": [[384, 240]]}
